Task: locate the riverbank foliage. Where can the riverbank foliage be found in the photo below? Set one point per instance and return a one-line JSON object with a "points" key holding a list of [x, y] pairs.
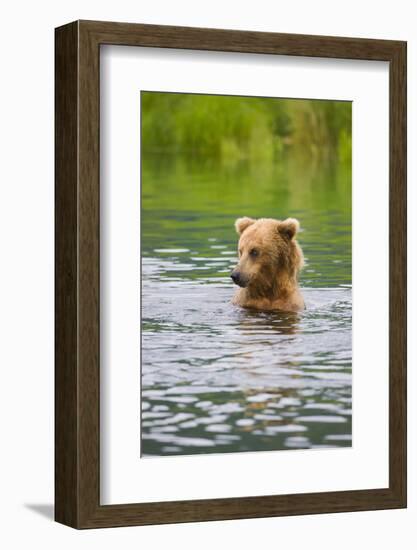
{"points": [[234, 128]]}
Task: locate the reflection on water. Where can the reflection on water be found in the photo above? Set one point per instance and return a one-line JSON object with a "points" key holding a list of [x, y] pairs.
{"points": [[216, 378]]}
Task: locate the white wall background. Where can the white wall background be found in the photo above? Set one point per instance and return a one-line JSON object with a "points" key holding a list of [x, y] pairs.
{"points": [[26, 272]]}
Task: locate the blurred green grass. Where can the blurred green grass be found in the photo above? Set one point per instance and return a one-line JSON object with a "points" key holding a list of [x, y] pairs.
{"points": [[233, 128]]}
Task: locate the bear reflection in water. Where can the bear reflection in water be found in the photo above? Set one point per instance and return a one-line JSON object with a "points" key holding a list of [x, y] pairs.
{"points": [[269, 322]]}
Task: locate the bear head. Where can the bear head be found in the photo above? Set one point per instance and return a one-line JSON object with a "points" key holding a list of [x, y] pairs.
{"points": [[269, 255]]}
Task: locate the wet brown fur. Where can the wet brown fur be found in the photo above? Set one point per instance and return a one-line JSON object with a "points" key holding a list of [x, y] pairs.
{"points": [[270, 278]]}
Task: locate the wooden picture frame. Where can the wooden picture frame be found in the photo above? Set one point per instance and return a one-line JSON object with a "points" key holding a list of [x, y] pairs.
{"points": [[77, 371]]}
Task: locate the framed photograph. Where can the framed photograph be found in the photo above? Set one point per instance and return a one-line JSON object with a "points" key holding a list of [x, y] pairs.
{"points": [[230, 274]]}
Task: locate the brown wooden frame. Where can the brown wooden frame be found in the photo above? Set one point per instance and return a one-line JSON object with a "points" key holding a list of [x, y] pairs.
{"points": [[77, 370]]}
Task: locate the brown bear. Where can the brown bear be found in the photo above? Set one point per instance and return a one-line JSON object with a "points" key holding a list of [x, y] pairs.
{"points": [[269, 262]]}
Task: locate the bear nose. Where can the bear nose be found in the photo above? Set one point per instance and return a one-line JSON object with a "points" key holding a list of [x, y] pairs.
{"points": [[235, 275]]}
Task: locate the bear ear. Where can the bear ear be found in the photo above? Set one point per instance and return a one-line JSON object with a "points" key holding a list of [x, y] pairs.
{"points": [[243, 223], [289, 228]]}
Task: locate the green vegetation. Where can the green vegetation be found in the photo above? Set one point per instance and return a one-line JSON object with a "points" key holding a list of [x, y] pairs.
{"points": [[233, 128]]}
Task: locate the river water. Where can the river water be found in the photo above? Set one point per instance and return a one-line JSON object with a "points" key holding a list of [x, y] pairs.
{"points": [[217, 378]]}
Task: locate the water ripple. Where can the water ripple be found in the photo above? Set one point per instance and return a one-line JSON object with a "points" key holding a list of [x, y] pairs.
{"points": [[219, 377]]}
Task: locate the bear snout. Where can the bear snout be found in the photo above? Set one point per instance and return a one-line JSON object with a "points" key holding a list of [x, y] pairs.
{"points": [[237, 278]]}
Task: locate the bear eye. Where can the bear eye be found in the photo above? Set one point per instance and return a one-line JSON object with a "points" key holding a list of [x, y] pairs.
{"points": [[254, 253]]}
